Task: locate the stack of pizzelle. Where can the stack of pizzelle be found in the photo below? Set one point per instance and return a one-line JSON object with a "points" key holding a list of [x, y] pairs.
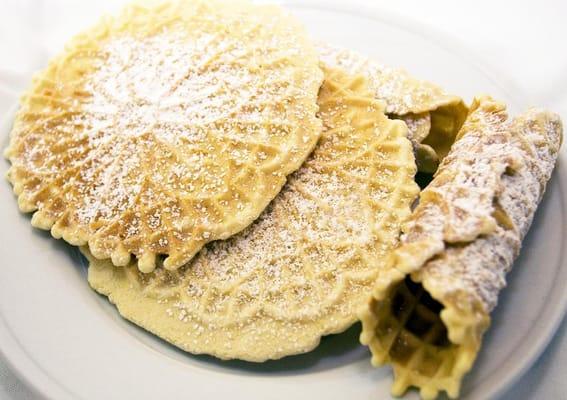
{"points": [[241, 191]]}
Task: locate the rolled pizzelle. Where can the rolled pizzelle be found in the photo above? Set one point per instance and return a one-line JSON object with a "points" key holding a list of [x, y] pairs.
{"points": [[432, 115], [430, 308]]}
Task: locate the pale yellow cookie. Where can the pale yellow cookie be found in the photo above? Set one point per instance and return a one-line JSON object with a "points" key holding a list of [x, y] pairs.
{"points": [[431, 305], [433, 116], [167, 127], [305, 267]]}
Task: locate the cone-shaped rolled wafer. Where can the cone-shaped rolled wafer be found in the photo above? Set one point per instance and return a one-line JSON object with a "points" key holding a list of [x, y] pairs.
{"points": [[433, 116], [431, 306], [166, 127], [307, 265]]}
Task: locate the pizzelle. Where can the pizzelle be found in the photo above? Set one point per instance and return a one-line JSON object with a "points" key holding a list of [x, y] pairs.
{"points": [[167, 127], [305, 267], [431, 306], [432, 115]]}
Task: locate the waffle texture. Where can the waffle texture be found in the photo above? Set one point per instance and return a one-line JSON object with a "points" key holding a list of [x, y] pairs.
{"points": [[431, 306], [432, 115], [307, 265], [166, 127]]}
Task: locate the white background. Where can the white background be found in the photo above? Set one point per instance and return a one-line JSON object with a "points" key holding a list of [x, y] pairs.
{"points": [[523, 41]]}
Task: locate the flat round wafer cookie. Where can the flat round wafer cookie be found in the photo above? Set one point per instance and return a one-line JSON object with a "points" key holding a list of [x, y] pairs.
{"points": [[306, 266], [433, 116], [167, 127]]}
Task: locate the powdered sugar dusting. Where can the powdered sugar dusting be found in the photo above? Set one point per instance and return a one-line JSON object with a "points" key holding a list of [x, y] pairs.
{"points": [[483, 199], [429, 112], [401, 93], [309, 261], [172, 137], [419, 126], [458, 246]]}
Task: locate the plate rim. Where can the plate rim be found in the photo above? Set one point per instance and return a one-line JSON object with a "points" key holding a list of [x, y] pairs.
{"points": [[39, 381]]}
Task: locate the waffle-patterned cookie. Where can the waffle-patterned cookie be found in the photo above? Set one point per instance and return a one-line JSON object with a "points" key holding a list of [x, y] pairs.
{"points": [[433, 116], [431, 306], [167, 127], [306, 266]]}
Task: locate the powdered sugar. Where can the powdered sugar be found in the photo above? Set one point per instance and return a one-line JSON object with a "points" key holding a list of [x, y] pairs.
{"points": [[309, 261], [483, 199], [401, 93], [174, 127]]}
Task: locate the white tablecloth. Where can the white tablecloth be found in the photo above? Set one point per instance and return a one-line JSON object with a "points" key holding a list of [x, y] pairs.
{"points": [[524, 38]]}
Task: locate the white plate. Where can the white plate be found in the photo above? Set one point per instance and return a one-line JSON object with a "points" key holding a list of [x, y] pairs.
{"points": [[67, 342]]}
